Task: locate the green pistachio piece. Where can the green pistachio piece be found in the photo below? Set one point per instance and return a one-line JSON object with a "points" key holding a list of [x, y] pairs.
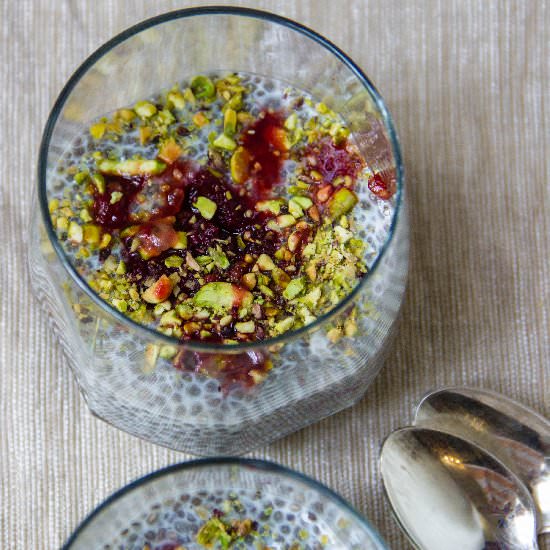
{"points": [[294, 287], [169, 318], [168, 352], [97, 130], [85, 215], [115, 197], [99, 181], [291, 121], [229, 122], [295, 209], [144, 109], [265, 263], [283, 325], [219, 257], [181, 243], [273, 206], [135, 167], [246, 327], [342, 235], [341, 202], [206, 207], [224, 142], [92, 234], [312, 298], [222, 296], [202, 87], [304, 202], [121, 305], [166, 117], [75, 233], [214, 532], [81, 177], [173, 261], [285, 220], [176, 98]]}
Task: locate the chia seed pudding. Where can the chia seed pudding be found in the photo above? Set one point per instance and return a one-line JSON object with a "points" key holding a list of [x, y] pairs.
{"points": [[228, 209], [237, 519]]}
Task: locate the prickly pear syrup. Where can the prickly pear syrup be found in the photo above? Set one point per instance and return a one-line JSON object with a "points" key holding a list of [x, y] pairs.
{"points": [[222, 210]]}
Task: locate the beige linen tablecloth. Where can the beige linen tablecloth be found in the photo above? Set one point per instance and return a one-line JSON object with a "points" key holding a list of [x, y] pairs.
{"points": [[468, 85]]}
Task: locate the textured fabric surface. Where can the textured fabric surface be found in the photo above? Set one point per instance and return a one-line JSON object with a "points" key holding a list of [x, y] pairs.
{"points": [[468, 85]]}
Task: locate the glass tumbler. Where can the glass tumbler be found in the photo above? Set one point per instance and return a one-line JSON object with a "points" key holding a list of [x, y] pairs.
{"points": [[166, 509], [318, 369]]}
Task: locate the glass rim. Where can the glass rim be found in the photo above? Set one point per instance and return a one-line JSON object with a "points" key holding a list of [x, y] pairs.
{"points": [[89, 62], [253, 463]]}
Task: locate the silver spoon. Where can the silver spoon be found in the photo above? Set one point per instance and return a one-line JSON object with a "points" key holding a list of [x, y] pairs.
{"points": [[447, 493], [515, 434]]}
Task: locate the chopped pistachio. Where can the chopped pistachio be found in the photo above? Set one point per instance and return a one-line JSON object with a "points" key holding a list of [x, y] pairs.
{"points": [[121, 305], [219, 257], [127, 115], [341, 202], [170, 317], [291, 121], [304, 202], [144, 109], [312, 298], [173, 261], [176, 98], [105, 240], [273, 206], [151, 356], [181, 243], [99, 181], [84, 215], [115, 197], [294, 287], [225, 142], [265, 263], [214, 532], [229, 122], [226, 320], [166, 117], [222, 296], [342, 235], [295, 209], [246, 327], [168, 352], [202, 87], [322, 108], [121, 268], [75, 233], [249, 280], [280, 277], [206, 207], [135, 167], [191, 262], [240, 165], [81, 177], [285, 220], [98, 130], [284, 325], [158, 291], [266, 290]]}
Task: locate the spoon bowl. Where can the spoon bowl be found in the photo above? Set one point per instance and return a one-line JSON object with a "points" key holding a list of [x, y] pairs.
{"points": [[515, 434], [449, 493]]}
